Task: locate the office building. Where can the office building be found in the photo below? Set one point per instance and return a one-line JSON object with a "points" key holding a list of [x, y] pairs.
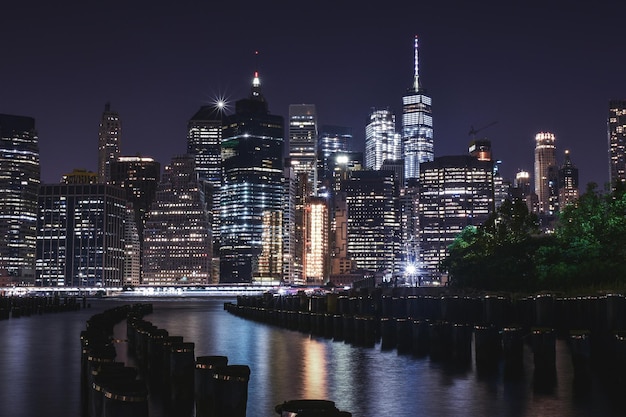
{"points": [[545, 173], [373, 224], [81, 234], [19, 185], [332, 139], [568, 182], [177, 235], [617, 141], [204, 136], [252, 192], [316, 241], [381, 140], [417, 125], [109, 136], [303, 142], [455, 192], [139, 177]]}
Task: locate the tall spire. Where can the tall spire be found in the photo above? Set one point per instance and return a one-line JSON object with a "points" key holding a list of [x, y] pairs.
{"points": [[256, 83], [416, 80]]}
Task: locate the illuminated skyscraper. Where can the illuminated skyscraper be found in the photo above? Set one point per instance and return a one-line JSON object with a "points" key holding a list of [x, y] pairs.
{"points": [[332, 139], [417, 125], [316, 241], [139, 177], [381, 140], [373, 224], [303, 142], [81, 234], [19, 185], [177, 235], [204, 136], [455, 192], [568, 182], [108, 142], [545, 171], [617, 141], [252, 192]]}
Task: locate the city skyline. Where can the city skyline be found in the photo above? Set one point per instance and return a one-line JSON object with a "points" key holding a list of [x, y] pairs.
{"points": [[530, 68]]}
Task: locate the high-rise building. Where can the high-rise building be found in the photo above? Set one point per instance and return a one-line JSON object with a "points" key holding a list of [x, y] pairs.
{"points": [[132, 249], [381, 140], [373, 224], [617, 141], [204, 136], [332, 139], [417, 125], [252, 192], [545, 172], [455, 192], [177, 235], [109, 136], [568, 182], [316, 241], [139, 177], [303, 142], [81, 234], [19, 186]]}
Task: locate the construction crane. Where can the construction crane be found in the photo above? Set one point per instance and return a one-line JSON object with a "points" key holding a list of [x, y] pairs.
{"points": [[473, 131]]}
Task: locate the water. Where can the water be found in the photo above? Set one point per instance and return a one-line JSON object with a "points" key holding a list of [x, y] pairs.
{"points": [[40, 369]]}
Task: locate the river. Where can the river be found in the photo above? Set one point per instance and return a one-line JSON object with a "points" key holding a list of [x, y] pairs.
{"points": [[40, 369]]}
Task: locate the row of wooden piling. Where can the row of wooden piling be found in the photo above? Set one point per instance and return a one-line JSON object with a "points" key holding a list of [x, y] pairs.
{"points": [[182, 380], [446, 327], [16, 307]]}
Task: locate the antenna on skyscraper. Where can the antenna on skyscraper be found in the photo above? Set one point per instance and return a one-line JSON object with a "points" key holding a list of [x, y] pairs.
{"points": [[416, 82]]}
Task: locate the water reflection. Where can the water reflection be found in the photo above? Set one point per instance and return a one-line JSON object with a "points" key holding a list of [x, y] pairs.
{"points": [[40, 355]]}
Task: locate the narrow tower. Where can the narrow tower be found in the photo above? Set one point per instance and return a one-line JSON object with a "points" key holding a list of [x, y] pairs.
{"points": [[417, 125], [108, 142]]}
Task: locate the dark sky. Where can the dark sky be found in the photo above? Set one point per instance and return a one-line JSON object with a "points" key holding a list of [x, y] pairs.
{"points": [[530, 66]]}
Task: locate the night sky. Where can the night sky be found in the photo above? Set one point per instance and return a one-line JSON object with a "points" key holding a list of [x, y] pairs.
{"points": [[530, 66]]}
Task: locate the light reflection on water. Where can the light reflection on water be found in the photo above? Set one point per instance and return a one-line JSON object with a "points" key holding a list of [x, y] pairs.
{"points": [[40, 358]]}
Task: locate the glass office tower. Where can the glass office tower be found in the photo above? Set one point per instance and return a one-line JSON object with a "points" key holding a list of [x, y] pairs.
{"points": [[19, 186], [251, 205], [417, 126]]}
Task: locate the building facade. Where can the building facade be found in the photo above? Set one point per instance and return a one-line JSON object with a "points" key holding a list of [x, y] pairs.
{"points": [[545, 172], [373, 224], [417, 125], [81, 235], [251, 206], [617, 141], [19, 185], [109, 137], [455, 192], [303, 142], [177, 235], [568, 182], [381, 140]]}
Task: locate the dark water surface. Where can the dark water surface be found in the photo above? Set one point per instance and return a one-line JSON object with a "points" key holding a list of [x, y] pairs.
{"points": [[40, 369]]}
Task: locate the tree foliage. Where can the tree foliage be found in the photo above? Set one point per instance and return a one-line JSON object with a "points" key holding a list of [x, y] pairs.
{"points": [[507, 252]]}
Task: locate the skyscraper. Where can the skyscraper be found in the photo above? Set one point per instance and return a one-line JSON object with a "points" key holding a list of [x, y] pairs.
{"points": [[108, 142], [545, 171], [19, 186], [252, 192], [417, 125], [81, 234], [568, 182], [617, 141], [381, 140], [373, 224], [332, 139], [455, 192], [177, 235], [139, 177], [204, 136], [303, 142], [316, 241]]}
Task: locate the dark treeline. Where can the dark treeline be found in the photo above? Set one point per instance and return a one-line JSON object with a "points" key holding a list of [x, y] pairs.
{"points": [[509, 253]]}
